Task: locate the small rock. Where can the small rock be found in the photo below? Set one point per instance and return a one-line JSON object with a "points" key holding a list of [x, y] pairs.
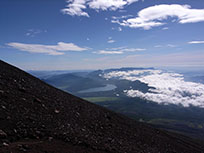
{"points": [[109, 139], [5, 144], [57, 111], [22, 89], [38, 132], [86, 136], [78, 114], [2, 134], [43, 126], [23, 147], [15, 130], [50, 138], [37, 100], [3, 107], [1, 91], [23, 99]]}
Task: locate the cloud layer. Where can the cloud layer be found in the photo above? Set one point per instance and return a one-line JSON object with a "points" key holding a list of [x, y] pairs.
{"points": [[78, 7], [153, 16], [58, 49], [168, 88]]}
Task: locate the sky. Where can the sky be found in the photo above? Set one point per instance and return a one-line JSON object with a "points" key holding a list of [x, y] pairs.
{"points": [[99, 34]]}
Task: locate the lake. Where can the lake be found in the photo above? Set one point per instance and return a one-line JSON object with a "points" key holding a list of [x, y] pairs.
{"points": [[108, 87]]}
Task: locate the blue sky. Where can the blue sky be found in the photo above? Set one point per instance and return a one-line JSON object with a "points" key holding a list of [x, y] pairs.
{"points": [[93, 34]]}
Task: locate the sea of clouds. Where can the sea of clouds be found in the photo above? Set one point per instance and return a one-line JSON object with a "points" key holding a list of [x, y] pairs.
{"points": [[168, 87]]}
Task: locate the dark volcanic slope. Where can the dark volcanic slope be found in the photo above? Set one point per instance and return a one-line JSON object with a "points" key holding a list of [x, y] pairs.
{"points": [[38, 118]]}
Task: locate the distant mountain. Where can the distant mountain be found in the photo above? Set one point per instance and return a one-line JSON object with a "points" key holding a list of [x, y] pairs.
{"points": [[128, 69], [72, 82], [36, 117], [47, 74]]}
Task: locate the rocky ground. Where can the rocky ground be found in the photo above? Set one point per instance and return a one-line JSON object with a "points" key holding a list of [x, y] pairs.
{"points": [[38, 118]]}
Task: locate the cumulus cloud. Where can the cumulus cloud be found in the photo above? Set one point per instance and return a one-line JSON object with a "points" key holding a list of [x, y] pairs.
{"points": [[58, 49], [75, 7], [196, 42], [168, 88], [78, 7], [107, 4], [154, 15]]}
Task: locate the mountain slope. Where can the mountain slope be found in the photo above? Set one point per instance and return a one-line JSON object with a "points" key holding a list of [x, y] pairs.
{"points": [[37, 117]]}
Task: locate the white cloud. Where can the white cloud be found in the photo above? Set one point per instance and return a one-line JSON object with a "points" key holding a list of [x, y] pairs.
{"points": [[168, 45], [121, 17], [129, 75], [168, 88], [78, 7], [107, 4], [131, 1], [122, 11], [58, 49], [196, 42], [75, 7], [34, 32], [111, 41], [133, 49], [116, 21], [158, 46], [171, 45], [109, 52], [119, 50], [120, 29], [153, 16]]}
